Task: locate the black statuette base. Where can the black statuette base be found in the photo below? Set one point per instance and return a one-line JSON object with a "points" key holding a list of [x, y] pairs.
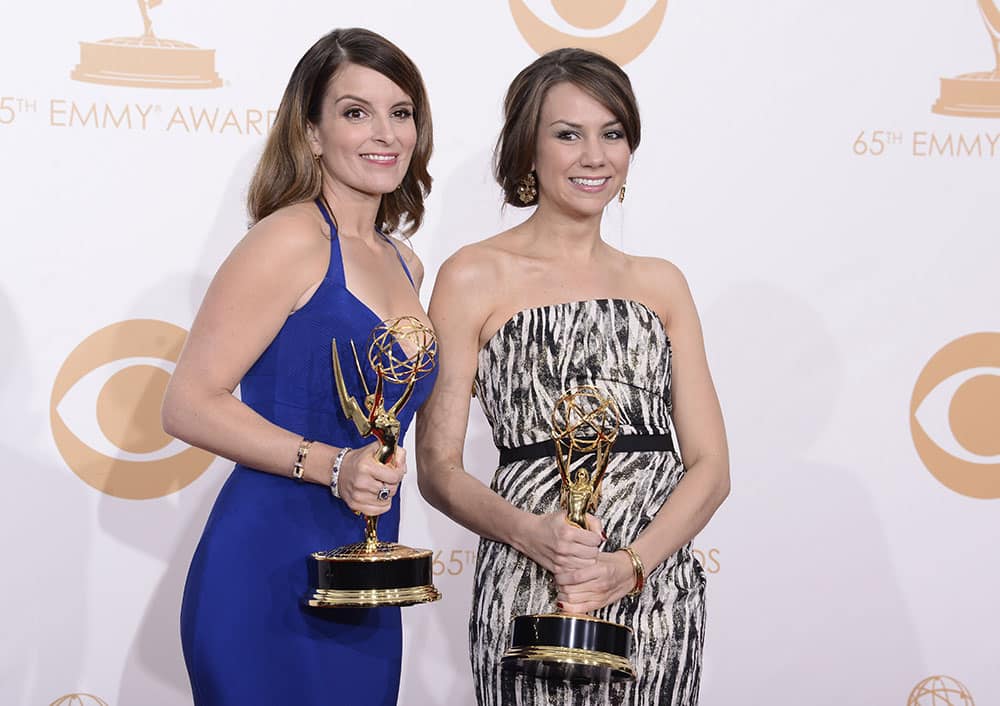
{"points": [[569, 647], [393, 576]]}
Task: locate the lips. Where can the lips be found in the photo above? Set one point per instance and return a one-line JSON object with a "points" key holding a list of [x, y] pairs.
{"points": [[590, 183], [384, 159]]}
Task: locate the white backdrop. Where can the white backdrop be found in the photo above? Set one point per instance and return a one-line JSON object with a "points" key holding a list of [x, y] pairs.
{"points": [[855, 561]]}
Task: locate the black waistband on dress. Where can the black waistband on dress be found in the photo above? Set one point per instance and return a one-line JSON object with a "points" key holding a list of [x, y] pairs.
{"points": [[623, 444]]}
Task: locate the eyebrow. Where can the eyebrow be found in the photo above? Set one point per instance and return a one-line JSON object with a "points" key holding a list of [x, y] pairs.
{"points": [[358, 99], [577, 126], [350, 97]]}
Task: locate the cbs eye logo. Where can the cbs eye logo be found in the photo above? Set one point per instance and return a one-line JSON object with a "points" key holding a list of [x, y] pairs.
{"points": [[955, 415], [105, 412], [596, 25]]}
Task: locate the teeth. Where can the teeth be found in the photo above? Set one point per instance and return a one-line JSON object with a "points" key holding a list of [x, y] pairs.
{"points": [[379, 157], [589, 182]]}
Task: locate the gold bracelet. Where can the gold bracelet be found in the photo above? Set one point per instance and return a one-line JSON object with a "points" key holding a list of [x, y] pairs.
{"points": [[638, 570], [300, 459]]}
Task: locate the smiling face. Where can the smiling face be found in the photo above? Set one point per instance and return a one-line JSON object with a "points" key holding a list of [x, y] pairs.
{"points": [[366, 133], [581, 154]]}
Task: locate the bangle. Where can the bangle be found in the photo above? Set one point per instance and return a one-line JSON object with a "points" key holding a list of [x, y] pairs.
{"points": [[637, 569], [300, 459], [335, 471]]}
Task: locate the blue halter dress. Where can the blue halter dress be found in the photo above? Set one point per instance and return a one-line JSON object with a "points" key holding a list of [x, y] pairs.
{"points": [[248, 639]]}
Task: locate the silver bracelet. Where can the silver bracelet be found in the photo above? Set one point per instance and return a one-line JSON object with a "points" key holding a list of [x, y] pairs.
{"points": [[335, 471]]}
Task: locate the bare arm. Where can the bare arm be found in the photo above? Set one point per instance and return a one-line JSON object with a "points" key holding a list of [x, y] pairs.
{"points": [[459, 306], [701, 433], [273, 270]]}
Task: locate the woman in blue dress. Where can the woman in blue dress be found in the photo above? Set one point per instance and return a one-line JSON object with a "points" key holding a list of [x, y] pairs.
{"points": [[345, 163]]}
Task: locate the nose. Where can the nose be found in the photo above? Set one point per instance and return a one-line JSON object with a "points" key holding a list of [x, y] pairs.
{"points": [[382, 130], [593, 152]]}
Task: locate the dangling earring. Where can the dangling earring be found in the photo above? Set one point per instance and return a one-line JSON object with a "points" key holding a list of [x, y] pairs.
{"points": [[317, 167], [526, 188], [621, 194]]}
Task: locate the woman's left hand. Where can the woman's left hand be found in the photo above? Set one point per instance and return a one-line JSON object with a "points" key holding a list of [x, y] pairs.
{"points": [[605, 581]]}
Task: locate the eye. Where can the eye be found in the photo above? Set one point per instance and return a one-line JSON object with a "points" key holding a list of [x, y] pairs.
{"points": [[355, 113], [115, 390], [402, 113], [567, 135], [952, 416], [614, 135]]}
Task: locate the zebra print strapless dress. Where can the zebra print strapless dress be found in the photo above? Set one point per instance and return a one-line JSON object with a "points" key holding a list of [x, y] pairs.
{"points": [[620, 347]]}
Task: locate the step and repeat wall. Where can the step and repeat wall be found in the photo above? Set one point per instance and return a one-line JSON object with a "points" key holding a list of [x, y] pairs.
{"points": [[826, 175]]}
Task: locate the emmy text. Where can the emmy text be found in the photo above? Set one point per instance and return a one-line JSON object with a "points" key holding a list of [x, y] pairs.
{"points": [[927, 144], [141, 117]]}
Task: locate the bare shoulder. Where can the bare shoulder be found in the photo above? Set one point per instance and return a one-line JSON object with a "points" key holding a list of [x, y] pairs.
{"points": [[476, 266], [654, 274], [288, 232], [659, 271], [468, 286], [663, 287], [282, 256]]}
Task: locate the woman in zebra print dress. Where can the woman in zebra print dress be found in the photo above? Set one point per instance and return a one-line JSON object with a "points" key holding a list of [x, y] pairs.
{"points": [[543, 307]]}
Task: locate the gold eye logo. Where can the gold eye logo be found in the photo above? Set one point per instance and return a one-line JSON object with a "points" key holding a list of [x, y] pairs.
{"points": [[105, 412], [621, 46], [79, 700], [955, 415]]}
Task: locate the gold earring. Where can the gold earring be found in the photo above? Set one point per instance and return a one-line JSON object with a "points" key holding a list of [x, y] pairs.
{"points": [[526, 188], [621, 194], [318, 169]]}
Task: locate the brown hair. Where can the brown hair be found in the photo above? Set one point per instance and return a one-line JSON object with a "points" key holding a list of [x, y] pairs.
{"points": [[286, 172], [600, 77]]}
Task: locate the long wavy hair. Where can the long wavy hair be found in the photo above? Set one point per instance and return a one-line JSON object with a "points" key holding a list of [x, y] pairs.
{"points": [[597, 75], [287, 172]]}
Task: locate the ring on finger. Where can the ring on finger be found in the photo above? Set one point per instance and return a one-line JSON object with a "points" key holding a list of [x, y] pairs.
{"points": [[383, 493]]}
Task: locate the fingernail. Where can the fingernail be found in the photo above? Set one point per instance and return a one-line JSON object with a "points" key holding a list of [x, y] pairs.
{"points": [[604, 534], [559, 605]]}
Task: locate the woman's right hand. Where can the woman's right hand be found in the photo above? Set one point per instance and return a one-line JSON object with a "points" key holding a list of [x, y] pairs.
{"points": [[558, 545], [362, 477]]}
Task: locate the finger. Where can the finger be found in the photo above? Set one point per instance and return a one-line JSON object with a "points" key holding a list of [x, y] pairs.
{"points": [[564, 605], [595, 525], [385, 474], [368, 509], [399, 460], [569, 607], [564, 563], [364, 489], [583, 591], [584, 537], [385, 493], [578, 599], [577, 577], [579, 551], [580, 592], [367, 494]]}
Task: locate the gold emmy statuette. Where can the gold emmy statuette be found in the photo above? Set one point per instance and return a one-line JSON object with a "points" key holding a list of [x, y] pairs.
{"points": [[977, 94], [146, 60], [571, 646], [372, 572]]}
